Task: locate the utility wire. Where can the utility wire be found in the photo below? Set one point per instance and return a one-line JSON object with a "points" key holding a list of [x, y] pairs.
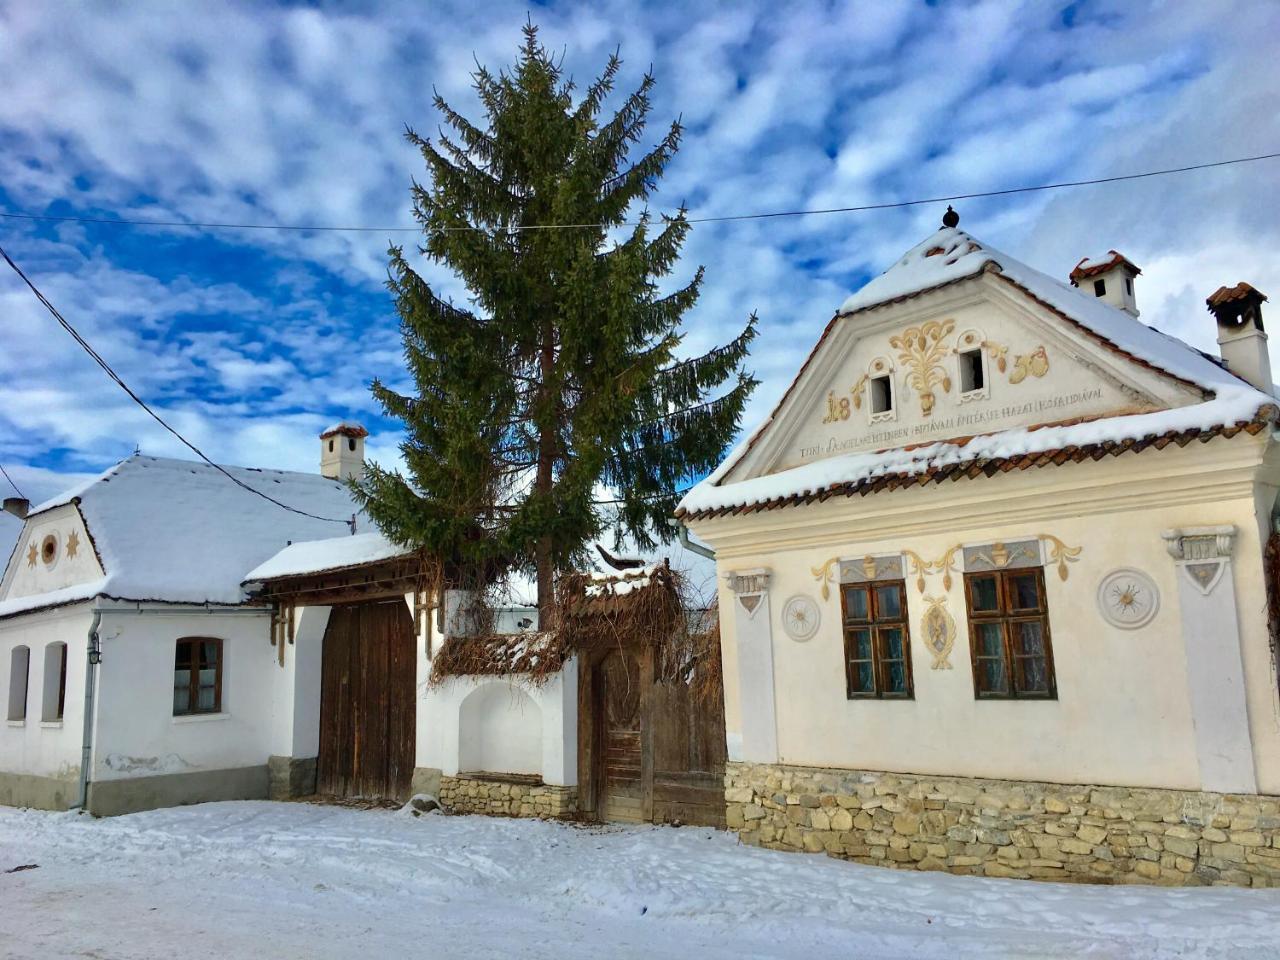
{"points": [[97, 358], [11, 483], [889, 205]]}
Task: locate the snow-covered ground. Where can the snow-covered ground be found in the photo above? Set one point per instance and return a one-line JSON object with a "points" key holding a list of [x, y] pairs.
{"points": [[259, 879]]}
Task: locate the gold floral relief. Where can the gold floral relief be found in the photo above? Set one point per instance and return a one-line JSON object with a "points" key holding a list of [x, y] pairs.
{"points": [[824, 574], [938, 628], [922, 350], [1060, 553], [998, 353], [857, 390]]}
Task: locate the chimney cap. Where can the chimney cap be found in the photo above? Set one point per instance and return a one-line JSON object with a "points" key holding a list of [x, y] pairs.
{"points": [[344, 428], [18, 506], [1241, 293], [1091, 268]]}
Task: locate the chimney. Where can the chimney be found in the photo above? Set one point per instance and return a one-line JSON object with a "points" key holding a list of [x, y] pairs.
{"points": [[1109, 279], [342, 451], [18, 506], [1241, 339]]}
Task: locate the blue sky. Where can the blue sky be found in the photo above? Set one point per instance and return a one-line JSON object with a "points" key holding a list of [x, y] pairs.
{"points": [[252, 341]]}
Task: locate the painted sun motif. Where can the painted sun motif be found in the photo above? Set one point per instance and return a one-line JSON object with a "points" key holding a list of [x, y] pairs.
{"points": [[32, 554], [1128, 598], [800, 617], [73, 543]]}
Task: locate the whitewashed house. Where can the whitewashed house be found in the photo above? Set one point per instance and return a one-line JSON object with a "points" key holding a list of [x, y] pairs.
{"points": [[996, 576]]}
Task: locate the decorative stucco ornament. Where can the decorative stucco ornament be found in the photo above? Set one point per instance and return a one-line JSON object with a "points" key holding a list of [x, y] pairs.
{"points": [[1128, 598], [801, 617], [73, 544], [824, 574], [922, 350], [939, 631]]}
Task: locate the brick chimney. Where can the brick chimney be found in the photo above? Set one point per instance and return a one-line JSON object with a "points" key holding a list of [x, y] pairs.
{"points": [[342, 451], [1241, 339], [1109, 279]]}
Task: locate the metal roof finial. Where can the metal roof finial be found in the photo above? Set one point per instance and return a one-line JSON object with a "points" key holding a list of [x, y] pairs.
{"points": [[950, 218]]}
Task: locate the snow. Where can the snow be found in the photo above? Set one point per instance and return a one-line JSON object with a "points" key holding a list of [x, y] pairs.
{"points": [[335, 553], [619, 583], [179, 531], [961, 256], [295, 880], [342, 425]]}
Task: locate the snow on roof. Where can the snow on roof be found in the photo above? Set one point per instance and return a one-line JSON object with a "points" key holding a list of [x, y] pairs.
{"points": [[334, 553], [346, 427], [951, 255], [178, 531], [1088, 267]]}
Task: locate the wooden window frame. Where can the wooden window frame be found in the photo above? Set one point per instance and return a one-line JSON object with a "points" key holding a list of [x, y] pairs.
{"points": [[875, 623], [1008, 616], [193, 681]]}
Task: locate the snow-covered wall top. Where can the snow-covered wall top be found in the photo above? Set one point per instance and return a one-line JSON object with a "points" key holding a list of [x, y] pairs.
{"points": [[179, 531], [317, 556]]}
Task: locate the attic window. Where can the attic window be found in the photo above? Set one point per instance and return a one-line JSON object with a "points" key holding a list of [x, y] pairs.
{"points": [[49, 550], [881, 395], [1128, 285], [1099, 288], [971, 373]]}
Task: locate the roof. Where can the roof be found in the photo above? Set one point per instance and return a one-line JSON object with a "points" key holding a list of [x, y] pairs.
{"points": [[179, 531], [952, 256], [344, 427], [1240, 292], [326, 556], [1087, 268]]}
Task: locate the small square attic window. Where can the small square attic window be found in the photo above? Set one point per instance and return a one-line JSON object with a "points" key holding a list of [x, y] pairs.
{"points": [[881, 395], [1099, 288]]}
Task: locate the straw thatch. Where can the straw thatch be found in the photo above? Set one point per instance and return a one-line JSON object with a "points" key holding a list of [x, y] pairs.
{"points": [[534, 657]]}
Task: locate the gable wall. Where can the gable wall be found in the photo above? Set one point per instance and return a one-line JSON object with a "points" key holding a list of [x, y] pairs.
{"points": [[74, 560]]}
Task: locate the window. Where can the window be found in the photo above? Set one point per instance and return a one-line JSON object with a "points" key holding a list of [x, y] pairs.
{"points": [[971, 374], [19, 661], [876, 639], [1009, 634], [1128, 285], [54, 702], [1099, 288], [881, 395], [197, 676]]}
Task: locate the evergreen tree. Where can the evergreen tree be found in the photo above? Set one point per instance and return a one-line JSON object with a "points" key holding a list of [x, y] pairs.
{"points": [[561, 379]]}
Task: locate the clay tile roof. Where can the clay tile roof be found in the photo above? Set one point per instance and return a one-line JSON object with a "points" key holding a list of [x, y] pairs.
{"points": [[1091, 268], [344, 429], [1241, 291]]}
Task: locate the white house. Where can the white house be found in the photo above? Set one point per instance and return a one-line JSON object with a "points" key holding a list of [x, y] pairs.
{"points": [[994, 587]]}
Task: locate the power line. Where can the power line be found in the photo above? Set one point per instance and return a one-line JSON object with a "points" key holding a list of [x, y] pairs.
{"points": [[862, 208], [11, 483], [97, 358]]}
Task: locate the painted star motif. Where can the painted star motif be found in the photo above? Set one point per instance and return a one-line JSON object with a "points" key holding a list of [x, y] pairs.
{"points": [[73, 544], [31, 555]]}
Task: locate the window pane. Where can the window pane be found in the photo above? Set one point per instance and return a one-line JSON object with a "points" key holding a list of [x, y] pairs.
{"points": [[991, 676], [888, 603], [181, 699], [1033, 675], [859, 644], [208, 654], [207, 698], [1025, 592], [983, 594], [860, 678], [1029, 637], [990, 640], [182, 656], [855, 603], [895, 676], [891, 643]]}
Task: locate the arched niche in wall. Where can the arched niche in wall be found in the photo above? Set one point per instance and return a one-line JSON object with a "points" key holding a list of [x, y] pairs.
{"points": [[499, 731]]}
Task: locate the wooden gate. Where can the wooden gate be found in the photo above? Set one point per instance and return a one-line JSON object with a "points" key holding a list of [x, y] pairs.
{"points": [[648, 750], [367, 703]]}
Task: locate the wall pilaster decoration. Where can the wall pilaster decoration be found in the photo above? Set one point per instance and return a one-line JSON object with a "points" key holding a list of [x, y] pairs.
{"points": [[1215, 666], [753, 633], [938, 628]]}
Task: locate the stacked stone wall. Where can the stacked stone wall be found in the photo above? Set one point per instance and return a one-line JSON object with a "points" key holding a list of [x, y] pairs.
{"points": [[1001, 828], [514, 798]]}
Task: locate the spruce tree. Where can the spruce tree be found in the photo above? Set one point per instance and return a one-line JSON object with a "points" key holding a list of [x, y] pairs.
{"points": [[562, 378]]}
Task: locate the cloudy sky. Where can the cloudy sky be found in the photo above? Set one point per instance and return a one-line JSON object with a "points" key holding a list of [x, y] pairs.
{"points": [[251, 341]]}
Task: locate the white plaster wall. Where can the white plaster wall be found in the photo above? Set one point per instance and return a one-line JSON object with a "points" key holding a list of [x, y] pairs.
{"points": [[295, 698], [1123, 713], [497, 720], [32, 746], [138, 735]]}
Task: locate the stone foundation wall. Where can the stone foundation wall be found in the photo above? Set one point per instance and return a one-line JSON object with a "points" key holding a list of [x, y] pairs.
{"points": [[1000, 828], [508, 798]]}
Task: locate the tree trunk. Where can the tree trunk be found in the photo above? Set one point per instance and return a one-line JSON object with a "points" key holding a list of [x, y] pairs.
{"points": [[544, 481]]}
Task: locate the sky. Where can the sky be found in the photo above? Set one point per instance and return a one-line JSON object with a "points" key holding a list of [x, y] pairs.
{"points": [[252, 341]]}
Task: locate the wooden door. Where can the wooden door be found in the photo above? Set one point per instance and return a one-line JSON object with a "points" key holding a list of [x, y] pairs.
{"points": [[621, 782], [367, 707]]}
